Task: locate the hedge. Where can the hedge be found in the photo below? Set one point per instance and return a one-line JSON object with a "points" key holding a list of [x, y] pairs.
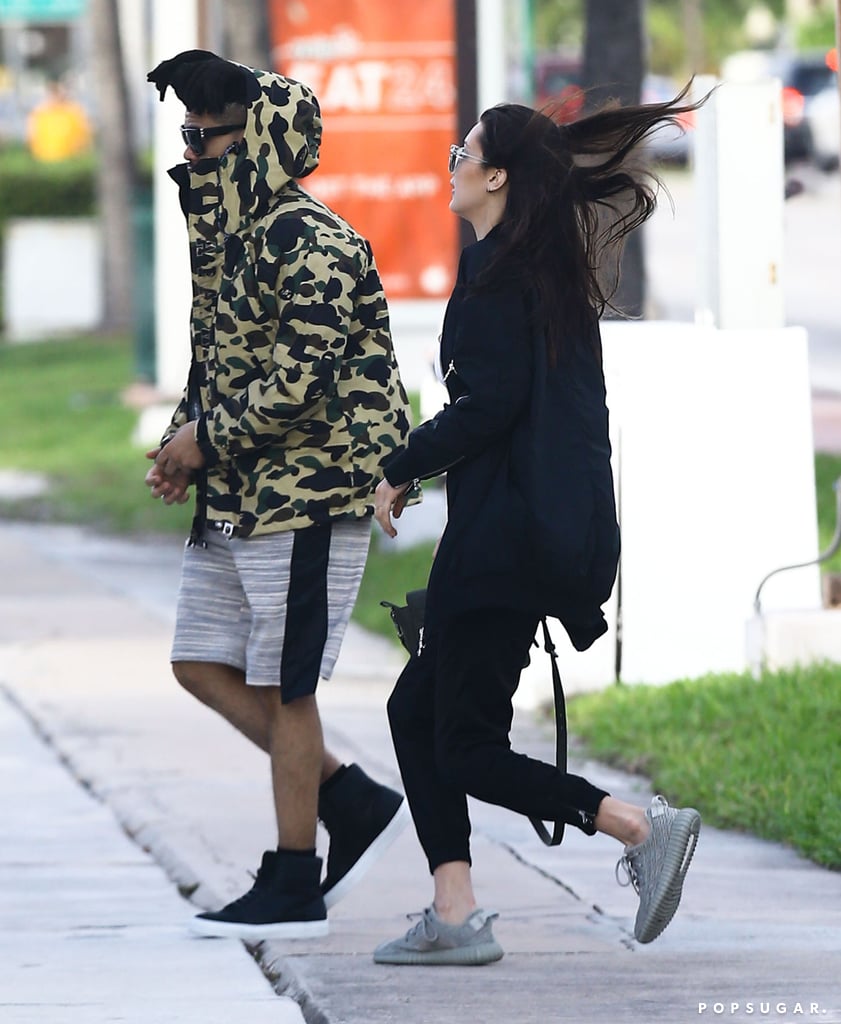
{"points": [[32, 189]]}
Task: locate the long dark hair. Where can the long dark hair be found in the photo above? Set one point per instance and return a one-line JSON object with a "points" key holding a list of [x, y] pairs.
{"points": [[573, 196]]}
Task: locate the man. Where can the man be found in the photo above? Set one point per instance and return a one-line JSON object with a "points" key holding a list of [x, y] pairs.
{"points": [[292, 403], [58, 128]]}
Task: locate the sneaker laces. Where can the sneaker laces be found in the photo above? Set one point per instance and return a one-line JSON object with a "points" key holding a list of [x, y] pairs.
{"points": [[424, 926], [246, 897], [626, 873]]}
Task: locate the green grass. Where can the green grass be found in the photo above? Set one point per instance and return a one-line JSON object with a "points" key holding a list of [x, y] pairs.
{"points": [[389, 575], [827, 471], [61, 411], [760, 756], [61, 414]]}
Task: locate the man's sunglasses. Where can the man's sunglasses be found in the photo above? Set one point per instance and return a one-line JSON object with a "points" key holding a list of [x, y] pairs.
{"points": [[459, 153], [194, 136]]}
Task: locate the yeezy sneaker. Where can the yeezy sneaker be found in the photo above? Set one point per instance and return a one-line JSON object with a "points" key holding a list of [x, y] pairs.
{"points": [[431, 942], [657, 866], [285, 902], [363, 818]]}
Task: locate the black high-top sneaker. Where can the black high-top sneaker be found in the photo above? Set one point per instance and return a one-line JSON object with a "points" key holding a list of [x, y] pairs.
{"points": [[363, 819], [285, 902]]}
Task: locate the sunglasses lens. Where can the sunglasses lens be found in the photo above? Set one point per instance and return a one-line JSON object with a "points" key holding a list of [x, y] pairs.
{"points": [[192, 138], [453, 161]]}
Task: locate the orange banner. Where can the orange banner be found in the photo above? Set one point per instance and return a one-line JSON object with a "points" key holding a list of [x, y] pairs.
{"points": [[384, 74]]}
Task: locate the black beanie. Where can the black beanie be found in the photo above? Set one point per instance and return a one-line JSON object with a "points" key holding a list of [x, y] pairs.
{"points": [[203, 82]]}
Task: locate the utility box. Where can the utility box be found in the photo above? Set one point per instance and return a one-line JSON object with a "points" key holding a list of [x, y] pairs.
{"points": [[713, 465], [740, 185], [52, 277]]}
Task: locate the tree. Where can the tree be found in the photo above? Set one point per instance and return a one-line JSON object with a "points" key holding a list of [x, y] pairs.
{"points": [[613, 69], [117, 167], [246, 33], [558, 24], [683, 35]]}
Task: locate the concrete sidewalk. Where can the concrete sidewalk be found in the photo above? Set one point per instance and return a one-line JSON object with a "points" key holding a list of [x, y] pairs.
{"points": [[84, 635], [90, 928]]}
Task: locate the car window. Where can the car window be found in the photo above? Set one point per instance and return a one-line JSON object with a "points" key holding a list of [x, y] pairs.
{"points": [[811, 79]]}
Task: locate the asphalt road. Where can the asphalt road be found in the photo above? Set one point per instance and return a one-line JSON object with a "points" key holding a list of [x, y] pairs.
{"points": [[811, 263]]}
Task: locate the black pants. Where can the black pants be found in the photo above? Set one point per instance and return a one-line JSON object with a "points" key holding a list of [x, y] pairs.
{"points": [[450, 716]]}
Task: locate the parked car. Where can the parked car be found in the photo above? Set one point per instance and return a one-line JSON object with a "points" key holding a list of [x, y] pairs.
{"points": [[825, 127], [669, 144], [558, 85], [804, 78]]}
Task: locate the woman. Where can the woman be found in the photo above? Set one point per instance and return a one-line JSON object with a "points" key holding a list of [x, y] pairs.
{"points": [[531, 524]]}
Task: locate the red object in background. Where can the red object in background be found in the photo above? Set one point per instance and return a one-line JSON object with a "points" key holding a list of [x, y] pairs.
{"points": [[793, 105], [557, 86], [832, 59], [385, 77]]}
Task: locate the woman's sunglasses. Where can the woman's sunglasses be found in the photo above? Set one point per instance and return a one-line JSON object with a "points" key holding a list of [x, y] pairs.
{"points": [[194, 136], [459, 153]]}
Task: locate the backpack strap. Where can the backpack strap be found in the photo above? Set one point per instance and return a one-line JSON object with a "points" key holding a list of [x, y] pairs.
{"points": [[554, 837]]}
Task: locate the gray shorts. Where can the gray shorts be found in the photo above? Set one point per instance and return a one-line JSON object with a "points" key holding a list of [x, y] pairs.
{"points": [[275, 606]]}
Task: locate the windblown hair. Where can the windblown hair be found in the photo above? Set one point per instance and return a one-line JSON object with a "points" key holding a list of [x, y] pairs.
{"points": [[573, 196]]}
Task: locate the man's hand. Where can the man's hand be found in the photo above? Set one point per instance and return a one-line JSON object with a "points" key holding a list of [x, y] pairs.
{"points": [[389, 500], [175, 464], [182, 454], [171, 491]]}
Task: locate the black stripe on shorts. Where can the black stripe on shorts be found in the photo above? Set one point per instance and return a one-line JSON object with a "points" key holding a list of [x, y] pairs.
{"points": [[306, 612]]}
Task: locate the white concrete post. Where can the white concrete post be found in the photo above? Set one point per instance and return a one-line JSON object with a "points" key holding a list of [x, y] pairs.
{"points": [[416, 323], [133, 38], [174, 28], [740, 188], [490, 53]]}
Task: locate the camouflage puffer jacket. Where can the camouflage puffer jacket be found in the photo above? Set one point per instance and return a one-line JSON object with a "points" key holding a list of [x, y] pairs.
{"points": [[293, 373]]}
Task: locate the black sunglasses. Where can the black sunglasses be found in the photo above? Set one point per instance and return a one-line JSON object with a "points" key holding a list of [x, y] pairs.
{"points": [[194, 136]]}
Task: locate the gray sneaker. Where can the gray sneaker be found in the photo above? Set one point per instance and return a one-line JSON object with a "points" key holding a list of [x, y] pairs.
{"points": [[657, 867], [432, 942]]}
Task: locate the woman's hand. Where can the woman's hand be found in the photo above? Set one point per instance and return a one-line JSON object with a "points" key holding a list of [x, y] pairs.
{"points": [[389, 500]]}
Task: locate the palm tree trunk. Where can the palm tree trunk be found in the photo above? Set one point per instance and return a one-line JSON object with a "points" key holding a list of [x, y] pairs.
{"points": [[614, 66], [116, 165], [246, 32]]}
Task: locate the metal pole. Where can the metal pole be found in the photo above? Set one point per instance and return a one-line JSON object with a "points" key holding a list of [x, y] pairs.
{"points": [[694, 29], [175, 27], [838, 49], [530, 49], [466, 83]]}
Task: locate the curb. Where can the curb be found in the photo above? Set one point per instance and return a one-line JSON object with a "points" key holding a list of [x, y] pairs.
{"points": [[284, 980]]}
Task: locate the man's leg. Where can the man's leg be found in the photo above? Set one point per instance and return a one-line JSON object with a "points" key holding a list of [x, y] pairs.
{"points": [[286, 899], [296, 748], [223, 688]]}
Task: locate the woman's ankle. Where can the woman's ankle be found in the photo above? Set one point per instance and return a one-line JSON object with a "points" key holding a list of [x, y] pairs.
{"points": [[622, 821], [454, 911], [454, 901]]}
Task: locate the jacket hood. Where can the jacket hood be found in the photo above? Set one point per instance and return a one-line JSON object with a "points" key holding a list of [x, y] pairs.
{"points": [[280, 143]]}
